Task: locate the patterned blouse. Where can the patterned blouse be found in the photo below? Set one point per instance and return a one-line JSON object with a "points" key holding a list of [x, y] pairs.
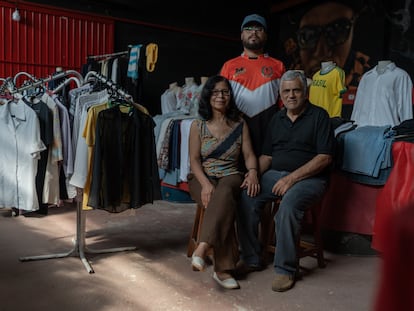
{"points": [[220, 157]]}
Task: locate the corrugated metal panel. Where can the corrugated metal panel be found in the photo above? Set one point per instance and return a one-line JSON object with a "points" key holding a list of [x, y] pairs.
{"points": [[46, 38]]}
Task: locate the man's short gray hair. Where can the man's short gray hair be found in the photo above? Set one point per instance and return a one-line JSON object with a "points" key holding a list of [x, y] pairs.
{"points": [[292, 75]]}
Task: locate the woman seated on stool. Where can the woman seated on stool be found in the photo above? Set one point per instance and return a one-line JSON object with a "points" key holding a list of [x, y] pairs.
{"points": [[215, 181]]}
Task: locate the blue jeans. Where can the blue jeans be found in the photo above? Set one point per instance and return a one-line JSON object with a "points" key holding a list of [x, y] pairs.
{"points": [[288, 219]]}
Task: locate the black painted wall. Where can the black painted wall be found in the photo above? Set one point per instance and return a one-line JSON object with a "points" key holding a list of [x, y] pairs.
{"points": [[180, 55], [194, 38]]}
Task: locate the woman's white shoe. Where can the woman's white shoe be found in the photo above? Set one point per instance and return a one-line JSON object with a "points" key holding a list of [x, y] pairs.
{"points": [[198, 263], [229, 283]]}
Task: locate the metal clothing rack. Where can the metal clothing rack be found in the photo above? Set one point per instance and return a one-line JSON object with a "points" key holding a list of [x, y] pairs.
{"points": [[110, 84], [11, 85], [80, 248], [25, 74], [66, 82], [108, 55]]}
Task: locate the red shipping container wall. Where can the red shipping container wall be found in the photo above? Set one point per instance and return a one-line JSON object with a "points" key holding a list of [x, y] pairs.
{"points": [[46, 38]]}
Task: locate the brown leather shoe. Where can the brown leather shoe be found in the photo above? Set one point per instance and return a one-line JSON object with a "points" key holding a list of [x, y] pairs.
{"points": [[283, 282]]}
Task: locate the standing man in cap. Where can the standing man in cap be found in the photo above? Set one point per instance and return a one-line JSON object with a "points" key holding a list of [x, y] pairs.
{"points": [[254, 77]]}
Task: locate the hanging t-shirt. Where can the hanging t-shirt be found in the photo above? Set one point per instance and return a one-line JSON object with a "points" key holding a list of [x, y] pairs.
{"points": [[169, 100], [186, 97], [327, 89]]}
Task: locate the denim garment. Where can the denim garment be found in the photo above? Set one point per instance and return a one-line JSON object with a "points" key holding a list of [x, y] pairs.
{"points": [[288, 219], [369, 180], [367, 149]]}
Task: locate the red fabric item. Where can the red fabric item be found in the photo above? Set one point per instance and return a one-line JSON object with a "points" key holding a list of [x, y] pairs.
{"points": [[396, 287], [349, 206], [181, 186], [397, 193]]}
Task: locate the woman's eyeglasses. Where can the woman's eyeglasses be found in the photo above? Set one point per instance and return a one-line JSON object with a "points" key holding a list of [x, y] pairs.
{"points": [[222, 92], [334, 33]]}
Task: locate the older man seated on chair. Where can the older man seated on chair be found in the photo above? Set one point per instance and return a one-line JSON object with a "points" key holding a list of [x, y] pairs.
{"points": [[294, 166]]}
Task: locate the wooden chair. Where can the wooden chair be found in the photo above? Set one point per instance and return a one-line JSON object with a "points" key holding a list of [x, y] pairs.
{"points": [[267, 233], [195, 231], [195, 235], [310, 225]]}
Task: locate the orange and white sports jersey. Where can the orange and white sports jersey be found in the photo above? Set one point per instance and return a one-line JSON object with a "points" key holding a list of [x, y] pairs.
{"points": [[255, 82]]}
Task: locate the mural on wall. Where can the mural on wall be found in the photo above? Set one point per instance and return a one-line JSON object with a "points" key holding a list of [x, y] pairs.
{"points": [[321, 31], [402, 34], [354, 34]]}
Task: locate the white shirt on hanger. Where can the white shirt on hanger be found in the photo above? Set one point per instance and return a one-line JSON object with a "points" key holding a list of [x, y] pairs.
{"points": [[21, 147], [79, 176], [384, 97], [184, 152], [169, 98]]}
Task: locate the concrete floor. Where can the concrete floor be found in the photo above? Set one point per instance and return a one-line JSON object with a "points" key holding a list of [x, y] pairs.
{"points": [[157, 275]]}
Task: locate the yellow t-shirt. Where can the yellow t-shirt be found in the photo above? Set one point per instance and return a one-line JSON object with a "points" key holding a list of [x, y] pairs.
{"points": [[327, 89], [89, 134]]}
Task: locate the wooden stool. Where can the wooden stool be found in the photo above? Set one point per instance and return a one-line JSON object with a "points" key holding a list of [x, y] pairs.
{"points": [[195, 231], [195, 234], [310, 224]]}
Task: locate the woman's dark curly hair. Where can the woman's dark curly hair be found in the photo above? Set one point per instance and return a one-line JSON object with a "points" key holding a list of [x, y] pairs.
{"points": [[204, 108]]}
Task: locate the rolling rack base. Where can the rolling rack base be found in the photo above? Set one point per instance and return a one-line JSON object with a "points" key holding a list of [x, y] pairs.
{"points": [[80, 248]]}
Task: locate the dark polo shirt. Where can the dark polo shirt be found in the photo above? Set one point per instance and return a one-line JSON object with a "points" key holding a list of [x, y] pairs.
{"points": [[292, 144]]}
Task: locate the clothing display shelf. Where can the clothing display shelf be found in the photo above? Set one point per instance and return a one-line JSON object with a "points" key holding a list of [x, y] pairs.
{"points": [[80, 249]]}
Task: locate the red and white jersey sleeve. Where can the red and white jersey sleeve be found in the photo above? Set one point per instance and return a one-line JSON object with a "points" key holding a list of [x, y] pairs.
{"points": [[255, 82]]}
